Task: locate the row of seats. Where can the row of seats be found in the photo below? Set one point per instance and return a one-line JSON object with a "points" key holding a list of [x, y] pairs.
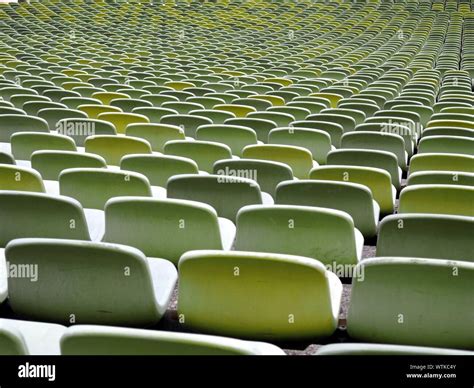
{"points": [[35, 338], [296, 297]]}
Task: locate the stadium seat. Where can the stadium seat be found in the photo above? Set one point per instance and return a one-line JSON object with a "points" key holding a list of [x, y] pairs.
{"points": [[131, 289], [226, 194], [326, 235], [296, 297], [367, 349], [352, 198], [88, 340], [388, 307], [166, 228]]}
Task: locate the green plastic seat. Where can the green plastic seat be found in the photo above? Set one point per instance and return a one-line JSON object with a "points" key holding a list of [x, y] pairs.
{"points": [[94, 110], [163, 228], [316, 141], [112, 148], [121, 120], [388, 307], [10, 124], [189, 123], [99, 340], [158, 168], [446, 144], [50, 164], [437, 199], [226, 194], [268, 174], [326, 235], [154, 114], [262, 127], [441, 177], [235, 136], [18, 178], [299, 159], [376, 179], [352, 198], [334, 130], [296, 297], [426, 235], [79, 129], [23, 144], [281, 119], [53, 115], [204, 153], [369, 158], [93, 187], [441, 162], [369, 140], [135, 295]]}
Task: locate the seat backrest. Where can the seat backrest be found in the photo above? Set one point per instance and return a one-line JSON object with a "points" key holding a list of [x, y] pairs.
{"points": [[447, 144], [316, 141], [79, 129], [352, 198], [100, 340], [441, 162], [376, 179], [388, 307], [10, 124], [326, 235], [50, 164], [13, 177], [93, 187], [438, 199], [277, 286], [426, 235], [112, 148], [40, 215], [299, 159], [441, 177], [79, 294], [23, 144], [162, 228], [204, 153], [226, 194]]}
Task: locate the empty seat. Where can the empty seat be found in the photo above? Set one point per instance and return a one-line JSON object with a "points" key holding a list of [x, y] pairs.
{"points": [[112, 148], [91, 340], [156, 134], [165, 228], [295, 297], [131, 289], [376, 179], [446, 144], [10, 124], [441, 162], [410, 301], [50, 164], [93, 187], [299, 159], [236, 137], [23, 144], [437, 199], [352, 198], [326, 235], [316, 141], [441, 178], [80, 129], [13, 177], [268, 174], [204, 153], [121, 120], [426, 235], [369, 158], [226, 194]]}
